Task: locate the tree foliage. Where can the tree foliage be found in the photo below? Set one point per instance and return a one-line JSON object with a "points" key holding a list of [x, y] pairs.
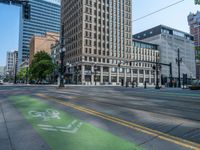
{"points": [[198, 52], [21, 75], [41, 66]]}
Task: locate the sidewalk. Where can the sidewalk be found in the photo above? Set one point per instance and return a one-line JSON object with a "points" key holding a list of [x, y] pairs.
{"points": [[4, 136], [15, 132]]}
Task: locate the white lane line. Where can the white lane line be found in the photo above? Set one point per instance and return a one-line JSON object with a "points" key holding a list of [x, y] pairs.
{"points": [[49, 129], [43, 125]]}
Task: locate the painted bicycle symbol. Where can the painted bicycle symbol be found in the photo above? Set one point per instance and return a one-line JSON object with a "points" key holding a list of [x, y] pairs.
{"points": [[45, 115]]}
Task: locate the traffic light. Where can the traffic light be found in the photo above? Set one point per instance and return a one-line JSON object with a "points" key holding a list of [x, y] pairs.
{"points": [[27, 11], [5, 1], [197, 2]]}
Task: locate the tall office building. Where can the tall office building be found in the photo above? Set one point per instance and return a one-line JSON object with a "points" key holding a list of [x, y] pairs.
{"points": [[194, 23], [168, 41], [98, 39], [2, 70], [2, 73], [45, 17], [145, 56]]}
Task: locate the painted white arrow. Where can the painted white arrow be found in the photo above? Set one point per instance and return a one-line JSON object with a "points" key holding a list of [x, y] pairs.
{"points": [[72, 127]]}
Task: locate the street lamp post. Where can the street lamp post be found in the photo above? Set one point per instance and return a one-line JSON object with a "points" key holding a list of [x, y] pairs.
{"points": [[27, 69], [62, 55], [61, 84], [157, 72]]}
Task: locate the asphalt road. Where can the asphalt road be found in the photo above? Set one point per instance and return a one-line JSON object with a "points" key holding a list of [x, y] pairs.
{"points": [[166, 119]]}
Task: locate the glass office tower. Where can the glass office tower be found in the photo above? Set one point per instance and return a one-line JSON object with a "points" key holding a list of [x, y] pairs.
{"points": [[45, 17]]}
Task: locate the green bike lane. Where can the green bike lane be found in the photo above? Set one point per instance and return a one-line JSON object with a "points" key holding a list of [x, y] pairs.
{"points": [[62, 131], [73, 130]]}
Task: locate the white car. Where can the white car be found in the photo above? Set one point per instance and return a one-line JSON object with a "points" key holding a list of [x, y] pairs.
{"points": [[1, 82]]}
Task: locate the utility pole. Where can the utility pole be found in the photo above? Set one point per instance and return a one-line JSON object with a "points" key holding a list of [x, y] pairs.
{"points": [[178, 61], [62, 54], [170, 74]]}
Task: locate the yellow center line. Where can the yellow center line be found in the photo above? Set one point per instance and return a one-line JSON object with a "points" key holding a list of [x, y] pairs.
{"points": [[161, 135]]}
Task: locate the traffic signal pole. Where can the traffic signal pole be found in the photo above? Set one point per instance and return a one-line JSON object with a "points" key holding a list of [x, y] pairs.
{"points": [[178, 61], [157, 72], [170, 74], [26, 6]]}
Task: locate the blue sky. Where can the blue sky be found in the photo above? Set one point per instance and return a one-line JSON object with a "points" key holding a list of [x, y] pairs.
{"points": [[175, 16], [9, 30]]}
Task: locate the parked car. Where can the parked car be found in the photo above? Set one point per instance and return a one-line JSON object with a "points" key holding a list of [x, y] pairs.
{"points": [[1, 82], [195, 85]]}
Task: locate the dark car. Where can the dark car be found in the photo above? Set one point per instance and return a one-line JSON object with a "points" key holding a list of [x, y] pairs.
{"points": [[195, 85]]}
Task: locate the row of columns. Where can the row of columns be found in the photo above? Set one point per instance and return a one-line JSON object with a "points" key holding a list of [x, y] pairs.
{"points": [[117, 73]]}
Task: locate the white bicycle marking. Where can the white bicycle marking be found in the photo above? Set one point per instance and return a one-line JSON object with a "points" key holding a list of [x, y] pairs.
{"points": [[72, 127], [46, 115], [73, 130]]}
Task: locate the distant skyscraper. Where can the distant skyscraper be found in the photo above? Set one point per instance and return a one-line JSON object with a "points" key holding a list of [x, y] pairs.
{"points": [[2, 73], [11, 61], [45, 17], [194, 23]]}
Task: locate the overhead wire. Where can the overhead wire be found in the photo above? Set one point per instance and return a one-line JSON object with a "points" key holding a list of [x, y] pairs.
{"points": [[157, 11]]}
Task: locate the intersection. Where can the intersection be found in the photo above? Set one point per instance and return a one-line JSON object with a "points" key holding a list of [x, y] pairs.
{"points": [[79, 117]]}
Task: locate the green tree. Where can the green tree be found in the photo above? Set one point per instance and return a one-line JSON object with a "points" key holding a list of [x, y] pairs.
{"points": [[41, 66], [21, 75]]}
